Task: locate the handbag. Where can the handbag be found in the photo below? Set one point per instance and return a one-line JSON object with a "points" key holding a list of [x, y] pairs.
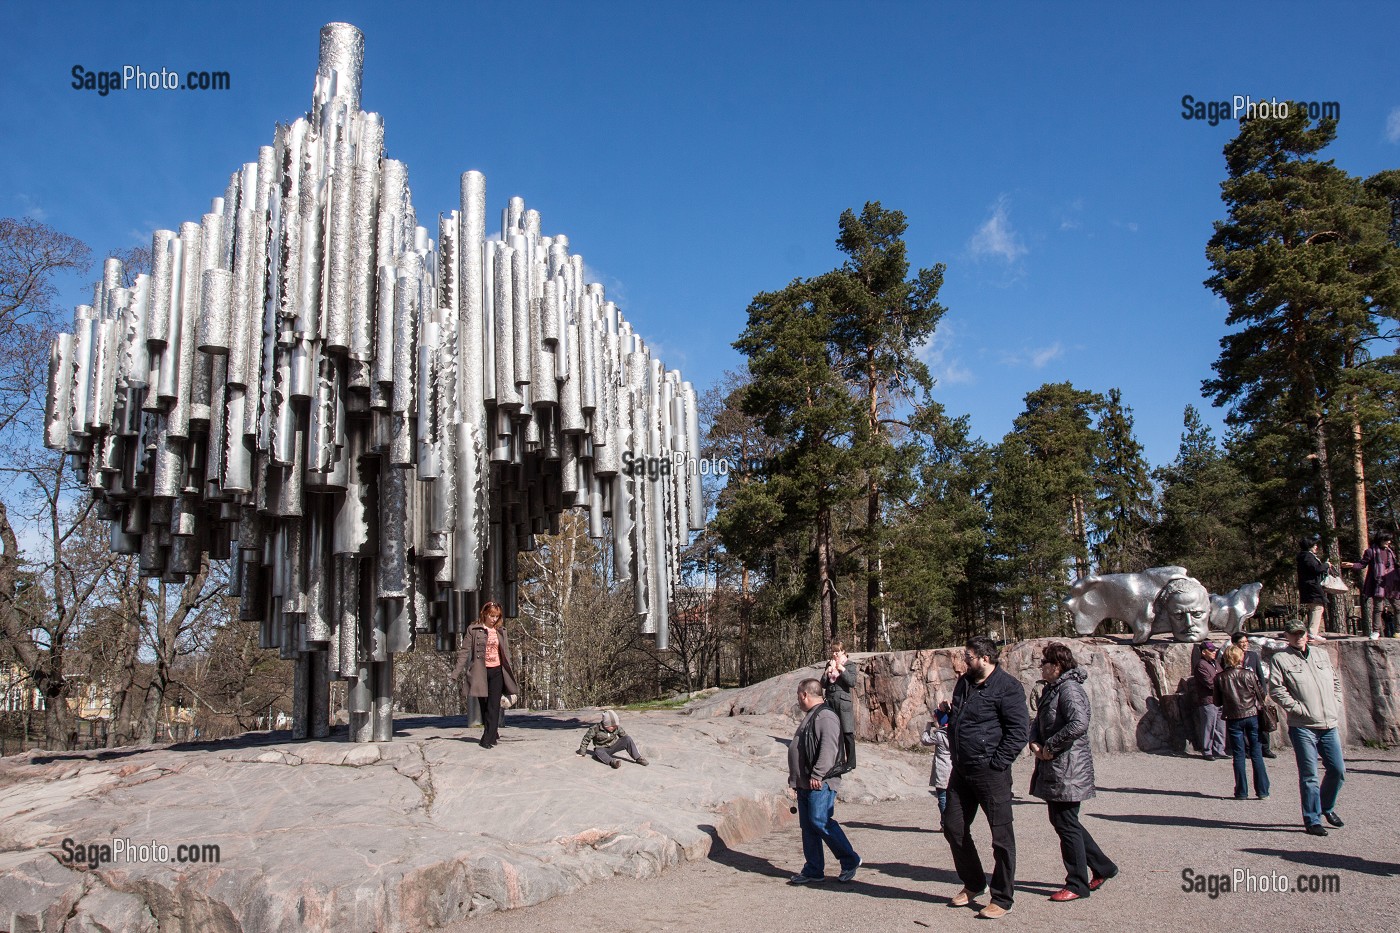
{"points": [[1335, 584], [1268, 717]]}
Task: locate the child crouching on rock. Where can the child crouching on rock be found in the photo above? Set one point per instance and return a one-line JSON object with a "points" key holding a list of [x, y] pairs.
{"points": [[937, 735], [608, 739]]}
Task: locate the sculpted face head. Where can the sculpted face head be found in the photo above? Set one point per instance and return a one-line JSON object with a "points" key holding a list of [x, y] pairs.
{"points": [[1183, 606]]}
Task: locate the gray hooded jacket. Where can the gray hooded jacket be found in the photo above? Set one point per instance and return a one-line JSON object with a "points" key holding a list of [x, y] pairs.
{"points": [[1062, 726]]}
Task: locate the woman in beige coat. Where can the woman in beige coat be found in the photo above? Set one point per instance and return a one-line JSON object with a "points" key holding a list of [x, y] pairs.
{"points": [[485, 658]]}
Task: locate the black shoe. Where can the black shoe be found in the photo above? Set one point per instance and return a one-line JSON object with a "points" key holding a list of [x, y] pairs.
{"points": [[1332, 817], [1208, 757], [1316, 830], [1271, 754]]}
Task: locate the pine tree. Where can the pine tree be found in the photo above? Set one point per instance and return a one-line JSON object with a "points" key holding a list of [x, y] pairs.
{"points": [[796, 394], [1307, 261], [1125, 511], [880, 317], [1206, 504]]}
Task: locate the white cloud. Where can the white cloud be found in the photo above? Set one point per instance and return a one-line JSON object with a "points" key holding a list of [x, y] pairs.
{"points": [[1392, 126], [1045, 354], [31, 209], [996, 237], [1034, 357], [946, 369]]}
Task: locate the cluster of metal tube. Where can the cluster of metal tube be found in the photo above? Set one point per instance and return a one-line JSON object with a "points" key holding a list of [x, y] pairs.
{"points": [[368, 424]]}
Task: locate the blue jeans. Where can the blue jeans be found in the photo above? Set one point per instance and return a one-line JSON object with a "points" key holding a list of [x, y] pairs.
{"points": [[1244, 743], [814, 809], [1308, 746]]}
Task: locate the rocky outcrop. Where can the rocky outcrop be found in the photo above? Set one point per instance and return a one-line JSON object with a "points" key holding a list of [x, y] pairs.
{"points": [[1141, 695], [404, 836]]}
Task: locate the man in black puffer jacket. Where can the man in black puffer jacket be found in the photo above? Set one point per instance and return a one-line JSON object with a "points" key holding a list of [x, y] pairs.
{"points": [[987, 729]]}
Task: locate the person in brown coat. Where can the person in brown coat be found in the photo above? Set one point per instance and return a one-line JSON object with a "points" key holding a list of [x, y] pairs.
{"points": [[485, 658], [1239, 694]]}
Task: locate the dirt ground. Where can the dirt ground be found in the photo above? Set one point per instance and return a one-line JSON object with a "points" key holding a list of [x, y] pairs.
{"points": [[1158, 817]]}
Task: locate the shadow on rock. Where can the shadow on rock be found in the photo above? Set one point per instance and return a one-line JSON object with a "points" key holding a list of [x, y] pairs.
{"points": [[739, 861]]}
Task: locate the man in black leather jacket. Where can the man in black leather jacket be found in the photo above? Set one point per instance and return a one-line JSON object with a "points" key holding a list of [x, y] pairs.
{"points": [[987, 729]]}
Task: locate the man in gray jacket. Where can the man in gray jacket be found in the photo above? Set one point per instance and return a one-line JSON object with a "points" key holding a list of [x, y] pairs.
{"points": [[813, 755], [1305, 687]]}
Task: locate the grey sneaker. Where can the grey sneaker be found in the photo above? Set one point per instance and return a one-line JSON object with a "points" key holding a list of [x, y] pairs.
{"points": [[805, 879], [850, 873], [643, 762]]}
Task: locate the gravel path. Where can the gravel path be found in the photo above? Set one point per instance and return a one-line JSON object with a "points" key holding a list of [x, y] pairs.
{"points": [[1156, 816]]}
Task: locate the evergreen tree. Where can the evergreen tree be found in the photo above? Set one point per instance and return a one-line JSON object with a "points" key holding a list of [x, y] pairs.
{"points": [[1125, 512], [880, 317], [1042, 496], [1206, 503], [938, 537], [796, 394], [1307, 262]]}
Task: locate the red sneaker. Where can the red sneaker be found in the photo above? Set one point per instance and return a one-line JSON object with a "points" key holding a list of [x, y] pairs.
{"points": [[1064, 894], [1096, 882]]}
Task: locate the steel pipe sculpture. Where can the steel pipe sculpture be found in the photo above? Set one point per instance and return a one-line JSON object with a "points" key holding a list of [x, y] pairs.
{"points": [[369, 424]]}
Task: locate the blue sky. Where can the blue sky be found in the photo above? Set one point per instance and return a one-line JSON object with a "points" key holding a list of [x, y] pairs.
{"points": [[696, 154]]}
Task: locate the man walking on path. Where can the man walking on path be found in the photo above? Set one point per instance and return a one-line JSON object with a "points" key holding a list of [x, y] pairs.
{"points": [[987, 729], [814, 768], [1305, 687]]}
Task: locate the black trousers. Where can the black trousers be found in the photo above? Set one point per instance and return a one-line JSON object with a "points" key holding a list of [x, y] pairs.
{"points": [[1080, 853], [848, 739], [491, 707], [969, 788]]}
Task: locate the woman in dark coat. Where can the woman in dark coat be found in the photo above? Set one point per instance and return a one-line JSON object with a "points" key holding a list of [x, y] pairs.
{"points": [[1064, 770], [485, 658]]}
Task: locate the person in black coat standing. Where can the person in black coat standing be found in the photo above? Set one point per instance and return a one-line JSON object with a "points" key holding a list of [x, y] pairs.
{"points": [[1064, 770], [987, 729], [838, 682]]}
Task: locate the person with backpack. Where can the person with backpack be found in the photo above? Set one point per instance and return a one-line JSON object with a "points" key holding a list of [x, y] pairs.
{"points": [[816, 761]]}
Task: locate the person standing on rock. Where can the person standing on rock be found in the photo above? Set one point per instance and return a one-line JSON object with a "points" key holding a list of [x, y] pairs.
{"points": [[1240, 695], [1312, 569], [987, 728], [1212, 725], [485, 659], [814, 768], [838, 681], [1380, 586], [1064, 770], [1305, 687]]}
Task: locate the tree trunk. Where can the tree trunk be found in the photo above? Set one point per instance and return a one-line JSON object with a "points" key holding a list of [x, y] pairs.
{"points": [[744, 620], [1328, 513], [826, 575], [1358, 464], [872, 564]]}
